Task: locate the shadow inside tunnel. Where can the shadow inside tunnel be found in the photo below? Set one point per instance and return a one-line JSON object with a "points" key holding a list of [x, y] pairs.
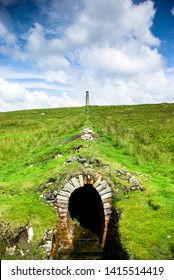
{"points": [[113, 249], [85, 205]]}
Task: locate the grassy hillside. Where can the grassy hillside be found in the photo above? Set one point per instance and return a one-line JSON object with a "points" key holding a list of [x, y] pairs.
{"points": [[140, 138]]}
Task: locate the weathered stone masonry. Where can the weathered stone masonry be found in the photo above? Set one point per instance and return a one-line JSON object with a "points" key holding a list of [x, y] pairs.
{"points": [[62, 203]]}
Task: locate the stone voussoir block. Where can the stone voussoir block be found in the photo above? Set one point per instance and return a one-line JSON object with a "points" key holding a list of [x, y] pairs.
{"points": [[109, 200], [81, 181], [107, 205], [107, 218], [63, 214], [61, 197], [63, 206], [106, 195], [102, 186], [65, 193], [75, 183], [107, 190], [63, 210], [107, 211], [68, 188], [61, 203], [97, 182], [99, 188]]}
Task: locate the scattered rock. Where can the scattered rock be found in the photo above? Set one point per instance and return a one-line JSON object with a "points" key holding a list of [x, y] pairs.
{"points": [[87, 130], [135, 188], [22, 253], [133, 180], [141, 188], [75, 158], [107, 167], [47, 246], [121, 171], [58, 156], [87, 134], [10, 251], [49, 197], [86, 164], [49, 233], [85, 161], [82, 159], [94, 161], [30, 234], [47, 241], [55, 193]]}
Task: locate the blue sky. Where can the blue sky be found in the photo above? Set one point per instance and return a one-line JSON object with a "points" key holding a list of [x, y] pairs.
{"points": [[52, 51]]}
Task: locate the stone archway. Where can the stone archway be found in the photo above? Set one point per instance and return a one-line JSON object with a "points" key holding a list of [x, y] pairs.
{"points": [[63, 197]]}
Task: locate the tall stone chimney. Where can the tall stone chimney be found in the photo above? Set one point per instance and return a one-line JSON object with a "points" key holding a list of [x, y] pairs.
{"points": [[87, 98]]}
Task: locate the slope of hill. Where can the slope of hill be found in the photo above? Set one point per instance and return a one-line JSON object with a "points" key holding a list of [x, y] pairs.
{"points": [[137, 141]]}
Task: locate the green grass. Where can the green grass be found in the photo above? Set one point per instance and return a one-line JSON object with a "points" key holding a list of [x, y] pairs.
{"points": [[138, 137], [142, 139], [144, 132]]}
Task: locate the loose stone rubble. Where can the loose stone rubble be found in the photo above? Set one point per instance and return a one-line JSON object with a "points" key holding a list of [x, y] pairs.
{"points": [[87, 134], [16, 238], [58, 156], [122, 173], [30, 234], [10, 250], [46, 242], [87, 162]]}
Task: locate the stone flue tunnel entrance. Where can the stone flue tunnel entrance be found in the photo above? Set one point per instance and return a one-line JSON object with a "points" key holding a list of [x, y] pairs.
{"points": [[86, 215], [85, 205]]}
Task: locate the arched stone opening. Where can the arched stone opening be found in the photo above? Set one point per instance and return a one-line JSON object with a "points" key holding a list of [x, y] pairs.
{"points": [[85, 205], [91, 189]]}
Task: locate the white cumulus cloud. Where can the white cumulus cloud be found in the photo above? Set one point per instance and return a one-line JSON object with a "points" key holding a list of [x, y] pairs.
{"points": [[15, 97], [48, 54], [113, 23], [106, 47]]}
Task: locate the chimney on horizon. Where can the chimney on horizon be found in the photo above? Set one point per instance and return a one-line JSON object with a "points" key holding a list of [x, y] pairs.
{"points": [[87, 98]]}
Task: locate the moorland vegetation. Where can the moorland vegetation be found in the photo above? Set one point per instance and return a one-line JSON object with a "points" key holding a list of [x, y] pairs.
{"points": [[139, 138]]}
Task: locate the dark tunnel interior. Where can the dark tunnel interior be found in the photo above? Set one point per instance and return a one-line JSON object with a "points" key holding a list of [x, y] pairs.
{"points": [[86, 206]]}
